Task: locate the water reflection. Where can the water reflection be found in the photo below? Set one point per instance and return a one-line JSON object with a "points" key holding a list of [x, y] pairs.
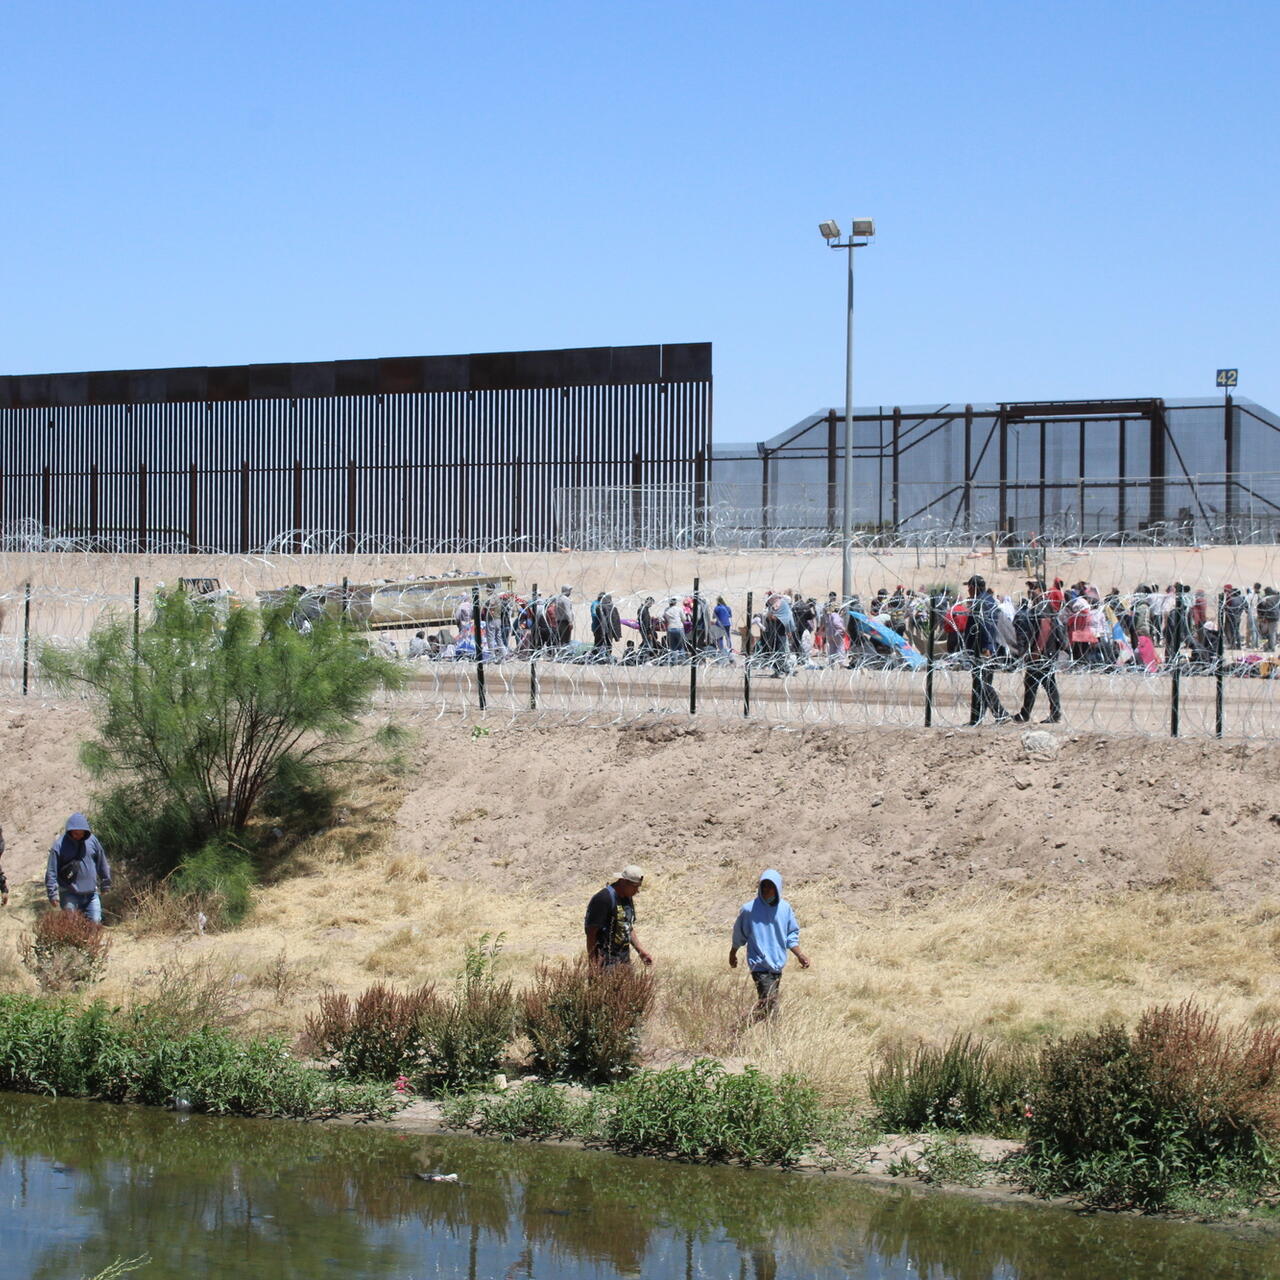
{"points": [[82, 1184]]}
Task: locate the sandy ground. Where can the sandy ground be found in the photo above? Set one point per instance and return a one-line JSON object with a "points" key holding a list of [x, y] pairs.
{"points": [[945, 881], [547, 811]]}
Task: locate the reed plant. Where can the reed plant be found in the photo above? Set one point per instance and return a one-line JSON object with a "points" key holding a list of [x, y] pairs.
{"points": [[967, 1085], [438, 1041], [1137, 1119], [377, 1036]]}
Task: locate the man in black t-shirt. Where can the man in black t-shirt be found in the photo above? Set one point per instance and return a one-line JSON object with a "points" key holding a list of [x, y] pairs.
{"points": [[611, 921]]}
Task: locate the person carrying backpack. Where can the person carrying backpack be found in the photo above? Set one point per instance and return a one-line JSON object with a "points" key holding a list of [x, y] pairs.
{"points": [[1268, 617], [77, 868], [610, 921]]}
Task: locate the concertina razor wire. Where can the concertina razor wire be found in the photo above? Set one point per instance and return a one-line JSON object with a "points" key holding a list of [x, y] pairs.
{"points": [[1139, 636]]}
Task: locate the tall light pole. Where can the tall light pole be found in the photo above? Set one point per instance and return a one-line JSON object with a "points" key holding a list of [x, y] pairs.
{"points": [[861, 233]]}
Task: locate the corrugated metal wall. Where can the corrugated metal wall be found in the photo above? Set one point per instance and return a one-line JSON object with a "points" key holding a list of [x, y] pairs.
{"points": [[436, 451]]}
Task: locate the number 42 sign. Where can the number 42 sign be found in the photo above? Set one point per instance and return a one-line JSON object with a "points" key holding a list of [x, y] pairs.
{"points": [[1228, 377]]}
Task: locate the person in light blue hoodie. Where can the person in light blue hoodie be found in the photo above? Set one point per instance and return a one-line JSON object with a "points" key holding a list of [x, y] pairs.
{"points": [[768, 928]]}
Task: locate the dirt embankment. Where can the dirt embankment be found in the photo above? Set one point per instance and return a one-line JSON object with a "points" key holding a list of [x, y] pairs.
{"points": [[874, 815]]}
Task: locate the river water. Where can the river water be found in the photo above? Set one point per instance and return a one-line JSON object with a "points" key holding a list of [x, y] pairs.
{"points": [[82, 1184]]}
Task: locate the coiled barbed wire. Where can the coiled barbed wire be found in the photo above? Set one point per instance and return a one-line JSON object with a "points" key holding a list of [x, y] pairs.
{"points": [[57, 589]]}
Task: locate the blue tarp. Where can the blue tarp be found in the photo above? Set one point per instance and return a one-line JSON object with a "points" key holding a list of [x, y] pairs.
{"points": [[906, 651]]}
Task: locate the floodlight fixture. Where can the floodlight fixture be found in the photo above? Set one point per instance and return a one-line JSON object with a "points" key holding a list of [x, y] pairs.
{"points": [[863, 227], [830, 230]]}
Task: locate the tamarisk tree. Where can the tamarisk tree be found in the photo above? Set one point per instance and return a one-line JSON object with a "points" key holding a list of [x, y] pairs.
{"points": [[200, 713]]}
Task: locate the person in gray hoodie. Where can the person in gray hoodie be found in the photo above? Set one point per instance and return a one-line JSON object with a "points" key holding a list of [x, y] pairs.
{"points": [[77, 868], [768, 928]]}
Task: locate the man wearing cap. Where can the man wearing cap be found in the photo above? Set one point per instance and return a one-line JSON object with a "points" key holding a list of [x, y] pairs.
{"points": [[611, 921], [981, 641], [1042, 636]]}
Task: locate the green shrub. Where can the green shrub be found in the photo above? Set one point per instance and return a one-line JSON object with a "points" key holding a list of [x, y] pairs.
{"points": [[464, 1037], [66, 950], [1226, 1080], [438, 1042], [220, 875], [301, 796], [1129, 1120], [56, 1047], [584, 1022], [945, 1159], [532, 1111], [703, 1112], [143, 831], [378, 1036], [968, 1085], [200, 716]]}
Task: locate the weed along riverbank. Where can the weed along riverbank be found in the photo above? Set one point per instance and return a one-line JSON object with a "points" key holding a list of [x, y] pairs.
{"points": [[1174, 1116]]}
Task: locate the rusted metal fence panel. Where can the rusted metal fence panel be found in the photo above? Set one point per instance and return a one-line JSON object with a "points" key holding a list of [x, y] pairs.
{"points": [[446, 450]]}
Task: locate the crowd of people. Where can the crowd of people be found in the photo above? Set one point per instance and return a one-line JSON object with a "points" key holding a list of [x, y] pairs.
{"points": [[1148, 627]]}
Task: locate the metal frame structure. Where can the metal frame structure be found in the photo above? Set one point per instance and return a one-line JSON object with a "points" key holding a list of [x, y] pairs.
{"points": [[954, 467]]}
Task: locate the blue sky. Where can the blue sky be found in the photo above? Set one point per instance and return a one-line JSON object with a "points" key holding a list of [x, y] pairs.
{"points": [[1072, 199]]}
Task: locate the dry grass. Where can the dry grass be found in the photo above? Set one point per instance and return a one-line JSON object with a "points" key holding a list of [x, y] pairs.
{"points": [[701, 1011], [1192, 869], [1013, 965], [158, 911], [13, 977], [190, 994]]}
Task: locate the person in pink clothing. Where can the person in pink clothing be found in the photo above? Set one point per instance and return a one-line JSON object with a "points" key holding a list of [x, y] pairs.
{"points": [[1080, 633]]}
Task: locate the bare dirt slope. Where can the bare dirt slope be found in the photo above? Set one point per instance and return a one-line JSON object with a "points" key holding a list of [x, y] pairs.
{"points": [[41, 782], [874, 815]]}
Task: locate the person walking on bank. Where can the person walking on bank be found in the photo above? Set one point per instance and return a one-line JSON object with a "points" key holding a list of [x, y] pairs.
{"points": [[611, 921], [768, 928], [77, 868], [4, 884]]}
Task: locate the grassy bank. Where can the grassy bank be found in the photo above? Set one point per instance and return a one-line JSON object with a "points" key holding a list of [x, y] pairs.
{"points": [[1013, 966], [149, 1056], [502, 832]]}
